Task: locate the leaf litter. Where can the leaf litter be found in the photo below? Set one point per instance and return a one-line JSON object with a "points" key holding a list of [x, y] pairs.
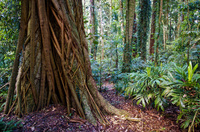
{"points": [[55, 118]]}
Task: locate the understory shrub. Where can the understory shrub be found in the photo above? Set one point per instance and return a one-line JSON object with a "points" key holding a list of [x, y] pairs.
{"points": [[183, 88], [145, 87], [169, 84]]}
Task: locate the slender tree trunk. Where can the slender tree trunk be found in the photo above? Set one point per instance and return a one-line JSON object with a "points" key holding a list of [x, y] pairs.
{"points": [[167, 20], [127, 54], [110, 32], [189, 29], [110, 14], [61, 71], [153, 28], [178, 23], [101, 30], [93, 41], [134, 40], [121, 16], [22, 34], [158, 36], [164, 35], [117, 56]]}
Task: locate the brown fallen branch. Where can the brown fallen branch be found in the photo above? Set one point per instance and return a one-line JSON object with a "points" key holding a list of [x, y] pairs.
{"points": [[129, 118]]}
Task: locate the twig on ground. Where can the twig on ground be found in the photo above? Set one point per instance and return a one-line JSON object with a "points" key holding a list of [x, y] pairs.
{"points": [[129, 118]]}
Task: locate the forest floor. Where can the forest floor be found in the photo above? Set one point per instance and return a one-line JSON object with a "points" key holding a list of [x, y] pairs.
{"points": [[54, 118]]}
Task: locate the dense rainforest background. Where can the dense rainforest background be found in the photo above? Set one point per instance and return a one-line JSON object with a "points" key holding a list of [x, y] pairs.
{"points": [[149, 49]]}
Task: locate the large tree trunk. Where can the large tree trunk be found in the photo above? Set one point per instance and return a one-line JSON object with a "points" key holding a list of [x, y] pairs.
{"points": [[143, 27], [55, 64]]}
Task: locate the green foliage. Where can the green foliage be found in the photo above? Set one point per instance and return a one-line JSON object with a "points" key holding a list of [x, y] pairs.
{"points": [[146, 88], [9, 126], [3, 95], [122, 82], [138, 64], [163, 85], [184, 91], [195, 5], [9, 25]]}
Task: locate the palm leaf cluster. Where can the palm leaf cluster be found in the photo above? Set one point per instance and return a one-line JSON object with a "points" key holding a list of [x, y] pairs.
{"points": [[169, 84]]}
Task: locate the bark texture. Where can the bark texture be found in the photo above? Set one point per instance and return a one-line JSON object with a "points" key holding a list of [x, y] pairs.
{"points": [[153, 28], [127, 54], [158, 36], [55, 64], [143, 27], [93, 30], [121, 16]]}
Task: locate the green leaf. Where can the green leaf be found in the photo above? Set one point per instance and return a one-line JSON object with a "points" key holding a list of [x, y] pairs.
{"points": [[186, 124], [143, 102], [190, 73], [139, 101], [148, 71], [194, 69], [179, 117]]}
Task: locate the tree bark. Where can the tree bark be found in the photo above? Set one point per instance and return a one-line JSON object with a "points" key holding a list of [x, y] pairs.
{"points": [[121, 16], [158, 36], [153, 28], [167, 20], [93, 30], [134, 40], [60, 72], [127, 54], [101, 31], [143, 27]]}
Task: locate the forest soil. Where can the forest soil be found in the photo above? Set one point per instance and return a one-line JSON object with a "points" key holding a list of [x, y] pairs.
{"points": [[55, 118]]}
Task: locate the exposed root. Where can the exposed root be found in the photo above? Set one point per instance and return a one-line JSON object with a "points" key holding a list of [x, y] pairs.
{"points": [[56, 66]]}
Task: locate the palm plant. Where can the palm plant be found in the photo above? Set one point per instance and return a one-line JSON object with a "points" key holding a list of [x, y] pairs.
{"points": [[145, 87], [183, 88]]}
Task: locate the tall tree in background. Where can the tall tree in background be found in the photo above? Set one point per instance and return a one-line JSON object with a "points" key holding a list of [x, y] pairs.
{"points": [[167, 19], [158, 36], [153, 28], [101, 30], [121, 16], [143, 26], [127, 54], [134, 40], [55, 64], [93, 30]]}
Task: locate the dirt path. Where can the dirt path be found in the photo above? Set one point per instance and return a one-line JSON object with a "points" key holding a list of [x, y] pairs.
{"points": [[54, 118]]}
